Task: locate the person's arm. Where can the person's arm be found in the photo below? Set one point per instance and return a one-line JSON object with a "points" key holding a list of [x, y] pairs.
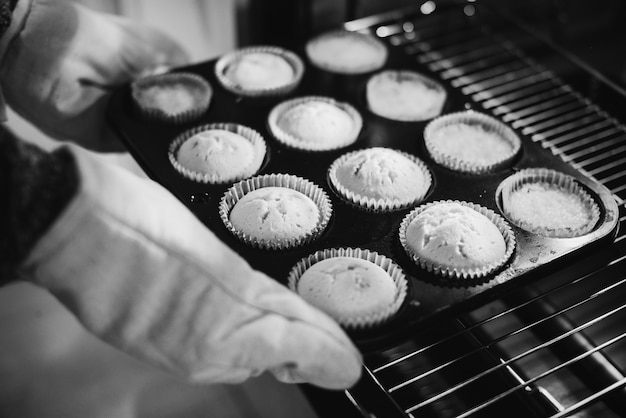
{"points": [[140, 271], [35, 187], [134, 265]]}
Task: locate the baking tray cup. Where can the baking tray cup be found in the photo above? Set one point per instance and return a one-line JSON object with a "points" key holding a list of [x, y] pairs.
{"points": [[381, 204], [404, 95], [337, 51], [396, 275], [276, 89], [188, 86], [351, 227], [479, 124], [257, 158], [317, 195]]}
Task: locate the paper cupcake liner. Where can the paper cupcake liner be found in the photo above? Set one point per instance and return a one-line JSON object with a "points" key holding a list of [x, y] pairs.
{"points": [[394, 271], [251, 135], [306, 187], [455, 273], [291, 58], [469, 117], [372, 204], [293, 142], [381, 111], [552, 178], [195, 83], [334, 66]]}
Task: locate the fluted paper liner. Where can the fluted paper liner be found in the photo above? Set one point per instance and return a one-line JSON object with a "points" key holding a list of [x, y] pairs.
{"points": [[378, 108], [470, 117], [553, 179], [257, 141], [395, 273], [291, 58], [201, 88], [453, 272], [333, 67], [306, 187], [294, 142], [372, 204]]}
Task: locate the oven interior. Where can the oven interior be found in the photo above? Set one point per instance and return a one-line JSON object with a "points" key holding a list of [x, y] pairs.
{"points": [[556, 346]]}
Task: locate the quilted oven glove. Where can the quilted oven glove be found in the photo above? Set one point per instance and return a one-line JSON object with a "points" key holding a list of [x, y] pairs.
{"points": [[142, 273], [60, 59]]}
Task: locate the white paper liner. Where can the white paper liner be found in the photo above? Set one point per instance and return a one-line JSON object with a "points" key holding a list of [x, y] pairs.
{"points": [[291, 58], [372, 204], [553, 178], [336, 67], [306, 187], [294, 142], [378, 108], [453, 272], [193, 81], [470, 117], [258, 144], [395, 273]]}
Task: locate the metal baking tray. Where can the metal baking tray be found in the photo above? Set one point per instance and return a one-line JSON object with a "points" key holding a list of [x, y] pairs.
{"points": [[429, 296]]}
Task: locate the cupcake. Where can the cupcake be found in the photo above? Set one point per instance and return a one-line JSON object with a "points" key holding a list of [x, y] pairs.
{"points": [[457, 240], [380, 178], [260, 71], [315, 123], [275, 211], [470, 142], [346, 52], [218, 153], [358, 288], [172, 97], [548, 203], [404, 96]]}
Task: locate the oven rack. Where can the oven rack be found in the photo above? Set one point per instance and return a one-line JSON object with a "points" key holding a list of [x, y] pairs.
{"points": [[556, 347]]}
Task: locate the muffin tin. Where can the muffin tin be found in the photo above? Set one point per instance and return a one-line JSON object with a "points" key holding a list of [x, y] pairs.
{"points": [[429, 296]]}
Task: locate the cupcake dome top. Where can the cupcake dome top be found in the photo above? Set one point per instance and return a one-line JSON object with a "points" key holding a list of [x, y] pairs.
{"points": [[392, 178], [405, 96], [315, 123], [275, 213], [454, 236], [346, 52], [347, 287], [216, 152]]}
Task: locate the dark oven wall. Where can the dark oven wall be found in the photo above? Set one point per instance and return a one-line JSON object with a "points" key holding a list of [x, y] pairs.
{"points": [[593, 34]]}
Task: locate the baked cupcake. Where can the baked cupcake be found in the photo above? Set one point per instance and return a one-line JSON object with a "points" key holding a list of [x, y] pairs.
{"points": [[218, 153], [315, 123], [358, 288], [457, 240], [275, 211], [548, 203], [380, 179], [260, 71], [470, 142], [172, 97], [405, 96], [346, 52]]}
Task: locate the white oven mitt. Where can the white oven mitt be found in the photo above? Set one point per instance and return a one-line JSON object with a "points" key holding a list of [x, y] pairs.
{"points": [[142, 273], [59, 60]]}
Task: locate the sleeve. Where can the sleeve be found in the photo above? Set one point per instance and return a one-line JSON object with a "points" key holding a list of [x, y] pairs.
{"points": [[35, 187], [6, 10]]}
